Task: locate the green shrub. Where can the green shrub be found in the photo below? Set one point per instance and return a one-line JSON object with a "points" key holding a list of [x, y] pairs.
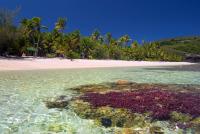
{"points": [[73, 55], [50, 55], [100, 52]]}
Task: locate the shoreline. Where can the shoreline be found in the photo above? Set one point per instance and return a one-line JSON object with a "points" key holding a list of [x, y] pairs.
{"points": [[57, 63]]}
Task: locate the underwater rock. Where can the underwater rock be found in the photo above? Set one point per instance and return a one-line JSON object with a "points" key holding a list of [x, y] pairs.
{"points": [[122, 82], [120, 123], [106, 122], [60, 102]]}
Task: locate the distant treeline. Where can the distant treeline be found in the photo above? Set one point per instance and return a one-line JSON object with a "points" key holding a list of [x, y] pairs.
{"points": [[189, 45], [31, 38]]}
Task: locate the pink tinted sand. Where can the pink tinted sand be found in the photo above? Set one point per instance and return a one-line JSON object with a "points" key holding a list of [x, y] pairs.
{"points": [[56, 63]]}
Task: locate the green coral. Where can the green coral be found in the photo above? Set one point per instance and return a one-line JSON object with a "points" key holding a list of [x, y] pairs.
{"points": [[180, 117], [82, 109], [92, 88], [196, 120], [156, 130], [57, 128], [116, 117]]}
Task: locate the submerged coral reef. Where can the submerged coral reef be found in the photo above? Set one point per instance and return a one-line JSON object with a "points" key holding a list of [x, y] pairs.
{"points": [[136, 108], [158, 102]]}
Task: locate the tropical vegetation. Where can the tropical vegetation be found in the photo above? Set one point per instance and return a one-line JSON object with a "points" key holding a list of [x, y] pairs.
{"points": [[31, 38], [182, 45]]}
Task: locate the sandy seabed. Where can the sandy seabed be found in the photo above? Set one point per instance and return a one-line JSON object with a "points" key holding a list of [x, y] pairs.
{"points": [[56, 63]]}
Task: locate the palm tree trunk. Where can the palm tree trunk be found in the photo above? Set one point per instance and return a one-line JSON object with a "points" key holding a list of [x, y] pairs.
{"points": [[37, 46]]}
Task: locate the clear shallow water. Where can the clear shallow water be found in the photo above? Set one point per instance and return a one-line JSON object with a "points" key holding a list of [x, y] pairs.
{"points": [[22, 95]]}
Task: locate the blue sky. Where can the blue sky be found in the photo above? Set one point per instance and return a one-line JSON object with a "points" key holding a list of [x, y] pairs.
{"points": [[142, 19]]}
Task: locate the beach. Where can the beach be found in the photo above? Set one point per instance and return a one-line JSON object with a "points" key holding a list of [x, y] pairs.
{"points": [[57, 63]]}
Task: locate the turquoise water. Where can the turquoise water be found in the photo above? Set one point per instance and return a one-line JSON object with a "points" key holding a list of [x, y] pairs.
{"points": [[22, 95]]}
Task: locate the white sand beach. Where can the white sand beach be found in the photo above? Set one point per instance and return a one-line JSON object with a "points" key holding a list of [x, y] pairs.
{"points": [[56, 63]]}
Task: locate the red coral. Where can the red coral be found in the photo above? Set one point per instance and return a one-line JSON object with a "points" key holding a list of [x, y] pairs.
{"points": [[159, 102]]}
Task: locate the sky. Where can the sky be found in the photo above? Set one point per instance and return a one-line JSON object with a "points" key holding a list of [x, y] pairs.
{"points": [[147, 20]]}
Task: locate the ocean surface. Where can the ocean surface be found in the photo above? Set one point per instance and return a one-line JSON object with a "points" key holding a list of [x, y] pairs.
{"points": [[23, 95]]}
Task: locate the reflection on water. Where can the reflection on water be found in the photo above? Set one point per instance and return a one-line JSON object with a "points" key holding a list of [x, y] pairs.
{"points": [[22, 107]]}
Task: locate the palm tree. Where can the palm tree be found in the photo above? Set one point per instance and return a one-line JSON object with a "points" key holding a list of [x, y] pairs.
{"points": [[73, 40], [28, 30], [126, 39], [134, 44], [87, 45], [32, 30], [37, 26], [101, 39], [123, 41], [108, 38], [26, 27], [60, 24], [95, 35], [47, 43], [114, 42]]}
